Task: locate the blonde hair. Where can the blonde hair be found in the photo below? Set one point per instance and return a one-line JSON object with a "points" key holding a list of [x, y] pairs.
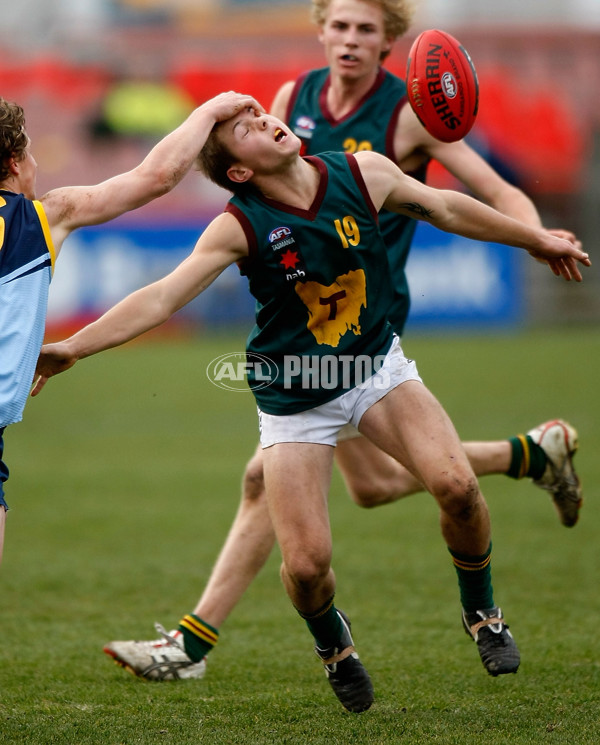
{"points": [[397, 14]]}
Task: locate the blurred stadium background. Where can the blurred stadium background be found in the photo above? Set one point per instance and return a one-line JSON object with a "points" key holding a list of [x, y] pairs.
{"points": [[102, 80]]}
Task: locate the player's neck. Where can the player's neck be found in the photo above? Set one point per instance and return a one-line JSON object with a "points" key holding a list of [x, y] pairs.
{"points": [[344, 93], [6, 186], [296, 187]]}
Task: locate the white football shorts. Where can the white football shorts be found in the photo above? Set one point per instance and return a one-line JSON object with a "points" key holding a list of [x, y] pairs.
{"points": [[322, 424]]}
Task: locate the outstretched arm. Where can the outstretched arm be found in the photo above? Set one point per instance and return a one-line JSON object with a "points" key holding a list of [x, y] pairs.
{"points": [[161, 170], [222, 243], [457, 213]]}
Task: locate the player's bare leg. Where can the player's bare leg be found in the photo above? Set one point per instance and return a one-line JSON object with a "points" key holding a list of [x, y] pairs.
{"points": [[373, 477], [249, 543], [181, 652], [545, 454], [297, 478], [411, 425]]}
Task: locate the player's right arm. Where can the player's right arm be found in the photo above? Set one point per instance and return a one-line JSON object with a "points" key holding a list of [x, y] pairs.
{"points": [[413, 142], [221, 244], [281, 100], [458, 213], [72, 207]]}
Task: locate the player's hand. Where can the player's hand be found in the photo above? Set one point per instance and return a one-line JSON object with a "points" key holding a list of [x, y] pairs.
{"points": [[568, 235], [53, 359], [562, 252], [226, 105]]}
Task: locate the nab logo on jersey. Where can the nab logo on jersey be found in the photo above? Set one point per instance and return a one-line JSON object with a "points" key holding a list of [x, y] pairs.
{"points": [[278, 234]]}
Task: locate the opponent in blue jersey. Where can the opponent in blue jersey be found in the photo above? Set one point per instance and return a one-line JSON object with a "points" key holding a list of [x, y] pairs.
{"points": [[32, 233], [333, 305], [353, 104]]}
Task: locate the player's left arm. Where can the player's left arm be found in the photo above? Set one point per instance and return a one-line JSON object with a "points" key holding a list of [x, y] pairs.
{"points": [[458, 213], [471, 169], [485, 183], [71, 207], [221, 244]]}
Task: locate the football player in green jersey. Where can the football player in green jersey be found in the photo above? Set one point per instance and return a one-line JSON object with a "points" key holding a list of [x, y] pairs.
{"points": [[354, 104], [335, 311]]}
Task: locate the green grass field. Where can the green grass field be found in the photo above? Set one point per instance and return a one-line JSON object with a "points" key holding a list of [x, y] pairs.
{"points": [[124, 478]]}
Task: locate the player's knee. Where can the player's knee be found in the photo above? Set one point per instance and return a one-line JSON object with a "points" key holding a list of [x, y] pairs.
{"points": [[369, 496], [370, 490], [253, 482], [307, 569], [458, 495]]}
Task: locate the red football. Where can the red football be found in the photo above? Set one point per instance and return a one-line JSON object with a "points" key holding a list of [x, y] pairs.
{"points": [[442, 85]]}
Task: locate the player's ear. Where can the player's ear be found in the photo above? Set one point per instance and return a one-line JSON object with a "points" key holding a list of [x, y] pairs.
{"points": [[239, 174], [14, 166], [387, 45]]}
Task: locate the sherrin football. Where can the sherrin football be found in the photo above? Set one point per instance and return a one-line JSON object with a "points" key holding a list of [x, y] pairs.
{"points": [[442, 85]]}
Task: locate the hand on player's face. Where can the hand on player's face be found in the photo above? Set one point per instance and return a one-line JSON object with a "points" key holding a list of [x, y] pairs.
{"points": [[229, 104]]}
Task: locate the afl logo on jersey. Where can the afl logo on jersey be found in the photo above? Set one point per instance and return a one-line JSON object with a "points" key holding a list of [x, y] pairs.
{"points": [[280, 238], [278, 234], [304, 127]]}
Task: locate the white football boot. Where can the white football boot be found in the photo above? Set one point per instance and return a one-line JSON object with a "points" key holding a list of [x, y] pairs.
{"points": [[161, 659], [559, 441]]}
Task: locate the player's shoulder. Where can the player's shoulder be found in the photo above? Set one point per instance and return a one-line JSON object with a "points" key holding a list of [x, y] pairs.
{"points": [[60, 204], [227, 232], [315, 74], [280, 101], [370, 161], [310, 82], [288, 93]]}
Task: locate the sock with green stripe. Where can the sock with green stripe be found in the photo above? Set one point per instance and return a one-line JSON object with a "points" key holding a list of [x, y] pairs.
{"points": [[325, 625], [474, 580], [528, 458], [198, 637]]}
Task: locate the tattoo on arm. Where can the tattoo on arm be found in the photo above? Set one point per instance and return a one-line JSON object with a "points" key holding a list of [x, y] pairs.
{"points": [[418, 209]]}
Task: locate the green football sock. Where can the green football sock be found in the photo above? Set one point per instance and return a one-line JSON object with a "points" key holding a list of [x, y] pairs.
{"points": [[325, 625], [528, 458], [198, 637], [474, 580]]}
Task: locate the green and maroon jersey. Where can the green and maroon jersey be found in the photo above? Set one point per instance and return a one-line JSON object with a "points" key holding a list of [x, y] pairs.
{"points": [[322, 288], [369, 126]]}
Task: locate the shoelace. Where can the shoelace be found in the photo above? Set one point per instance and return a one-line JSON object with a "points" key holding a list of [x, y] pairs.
{"points": [[168, 637], [497, 639]]}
